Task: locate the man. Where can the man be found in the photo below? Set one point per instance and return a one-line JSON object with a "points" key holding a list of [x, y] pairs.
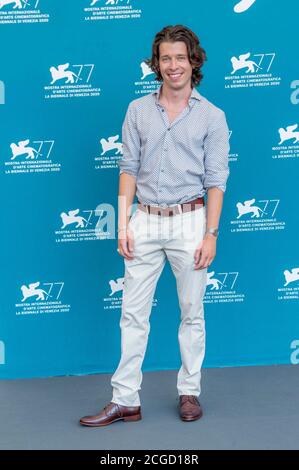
{"points": [[175, 150]]}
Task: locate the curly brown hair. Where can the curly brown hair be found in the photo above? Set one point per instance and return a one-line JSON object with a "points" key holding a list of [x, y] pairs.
{"points": [[196, 53]]}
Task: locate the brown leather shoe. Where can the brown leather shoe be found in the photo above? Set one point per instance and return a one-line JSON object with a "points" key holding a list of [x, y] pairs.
{"points": [[190, 408], [112, 412]]}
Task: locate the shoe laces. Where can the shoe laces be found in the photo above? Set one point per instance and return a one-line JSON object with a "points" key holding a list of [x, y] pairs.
{"points": [[190, 398], [107, 406]]}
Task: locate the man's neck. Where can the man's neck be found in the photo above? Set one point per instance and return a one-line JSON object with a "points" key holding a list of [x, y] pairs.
{"points": [[175, 96]]}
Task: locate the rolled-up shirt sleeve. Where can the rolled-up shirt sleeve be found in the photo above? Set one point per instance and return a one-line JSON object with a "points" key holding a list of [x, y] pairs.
{"points": [[130, 161], [216, 151]]}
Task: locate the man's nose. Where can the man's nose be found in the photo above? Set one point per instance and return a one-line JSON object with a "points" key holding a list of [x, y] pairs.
{"points": [[173, 64]]}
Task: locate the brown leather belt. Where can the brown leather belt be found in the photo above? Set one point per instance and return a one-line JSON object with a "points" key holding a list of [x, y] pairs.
{"points": [[173, 210]]}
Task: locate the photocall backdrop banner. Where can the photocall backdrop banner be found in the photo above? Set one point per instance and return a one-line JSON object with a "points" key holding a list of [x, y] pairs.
{"points": [[68, 71]]}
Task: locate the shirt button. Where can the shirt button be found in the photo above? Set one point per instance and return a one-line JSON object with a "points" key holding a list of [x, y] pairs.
{"points": [[162, 110], [162, 169], [168, 129]]}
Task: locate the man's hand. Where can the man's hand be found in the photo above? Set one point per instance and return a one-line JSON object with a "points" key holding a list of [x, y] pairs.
{"points": [[206, 251], [126, 243]]}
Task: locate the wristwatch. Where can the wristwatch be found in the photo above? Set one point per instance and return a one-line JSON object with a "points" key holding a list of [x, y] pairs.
{"points": [[213, 231]]}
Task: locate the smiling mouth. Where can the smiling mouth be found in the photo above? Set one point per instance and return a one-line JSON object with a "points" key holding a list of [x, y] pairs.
{"points": [[175, 76]]}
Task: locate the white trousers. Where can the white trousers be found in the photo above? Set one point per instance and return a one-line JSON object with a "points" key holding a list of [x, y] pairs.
{"points": [[157, 238]]}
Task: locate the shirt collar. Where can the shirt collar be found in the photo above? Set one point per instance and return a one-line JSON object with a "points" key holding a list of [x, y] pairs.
{"points": [[194, 94]]}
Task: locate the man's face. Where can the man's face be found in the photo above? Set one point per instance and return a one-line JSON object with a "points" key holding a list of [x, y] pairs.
{"points": [[174, 64]]}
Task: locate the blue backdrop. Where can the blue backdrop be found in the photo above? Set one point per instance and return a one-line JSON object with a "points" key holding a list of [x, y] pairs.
{"points": [[68, 72]]}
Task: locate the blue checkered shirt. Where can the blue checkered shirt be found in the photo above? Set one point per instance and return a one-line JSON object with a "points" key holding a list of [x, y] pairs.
{"points": [[174, 162]]}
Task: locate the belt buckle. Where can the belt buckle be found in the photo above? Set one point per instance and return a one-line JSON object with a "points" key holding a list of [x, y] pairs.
{"points": [[166, 211], [159, 210], [170, 210]]}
